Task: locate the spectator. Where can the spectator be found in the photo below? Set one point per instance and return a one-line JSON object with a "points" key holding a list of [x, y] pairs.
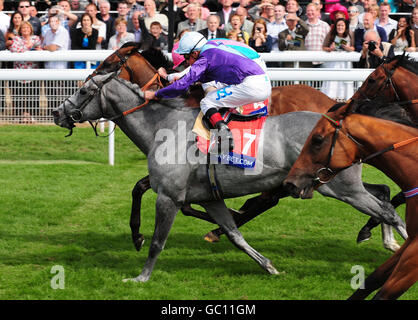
{"points": [[384, 21], [293, 38], [70, 19], [2, 42], [108, 19], [33, 11], [406, 5], [276, 26], [237, 28], [265, 10], [123, 10], [204, 12], [75, 6], [100, 26], [368, 24], [246, 25], [292, 6], [56, 39], [414, 32], [4, 19], [133, 6], [339, 38], [159, 40], [374, 50], [179, 14], [225, 12], [136, 26], [374, 10], [260, 41], [13, 31], [353, 14], [67, 19], [152, 15], [366, 5], [236, 36], [392, 3], [23, 8], [400, 37], [356, 3], [318, 30], [193, 23], [26, 41], [213, 31], [122, 35], [84, 38], [338, 11]]}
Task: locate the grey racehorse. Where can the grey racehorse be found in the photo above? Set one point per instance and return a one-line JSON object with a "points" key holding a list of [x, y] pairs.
{"points": [[178, 172]]}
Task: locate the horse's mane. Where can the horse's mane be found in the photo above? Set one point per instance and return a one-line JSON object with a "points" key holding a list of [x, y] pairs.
{"points": [[157, 58], [176, 103], [380, 108], [406, 62]]}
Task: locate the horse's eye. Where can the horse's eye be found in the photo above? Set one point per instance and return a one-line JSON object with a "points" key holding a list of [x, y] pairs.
{"points": [[317, 141], [83, 91]]}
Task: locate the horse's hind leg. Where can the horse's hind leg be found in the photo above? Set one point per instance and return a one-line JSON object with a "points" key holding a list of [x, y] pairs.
{"points": [[219, 212], [251, 209], [165, 213], [135, 221]]}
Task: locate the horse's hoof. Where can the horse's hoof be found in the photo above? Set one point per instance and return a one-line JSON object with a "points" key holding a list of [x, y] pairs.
{"points": [[211, 237], [138, 243], [393, 246], [363, 235], [137, 279], [271, 269]]}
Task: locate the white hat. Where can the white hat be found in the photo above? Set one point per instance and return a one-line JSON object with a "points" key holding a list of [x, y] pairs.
{"points": [[191, 41]]}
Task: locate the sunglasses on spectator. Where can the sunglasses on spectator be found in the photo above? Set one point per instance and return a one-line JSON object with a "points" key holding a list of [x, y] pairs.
{"points": [[352, 11], [23, 6]]}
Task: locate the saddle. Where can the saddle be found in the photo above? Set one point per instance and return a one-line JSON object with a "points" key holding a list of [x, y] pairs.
{"points": [[246, 123]]}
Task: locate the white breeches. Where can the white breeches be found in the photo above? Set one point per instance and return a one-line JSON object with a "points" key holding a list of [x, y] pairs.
{"points": [[252, 89]]}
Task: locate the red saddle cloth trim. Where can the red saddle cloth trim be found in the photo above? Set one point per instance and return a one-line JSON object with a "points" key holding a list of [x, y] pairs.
{"points": [[246, 137]]}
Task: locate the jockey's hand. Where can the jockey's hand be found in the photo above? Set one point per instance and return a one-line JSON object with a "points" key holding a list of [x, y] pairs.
{"points": [[162, 72], [149, 95]]}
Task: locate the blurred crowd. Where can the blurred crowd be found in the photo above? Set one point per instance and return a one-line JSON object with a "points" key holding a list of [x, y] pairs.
{"points": [[365, 26]]}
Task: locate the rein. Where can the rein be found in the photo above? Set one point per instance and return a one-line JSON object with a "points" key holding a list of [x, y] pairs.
{"points": [[338, 126], [388, 82]]}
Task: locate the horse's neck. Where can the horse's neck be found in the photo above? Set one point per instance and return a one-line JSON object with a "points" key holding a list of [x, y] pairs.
{"points": [[143, 125], [377, 135], [406, 83]]}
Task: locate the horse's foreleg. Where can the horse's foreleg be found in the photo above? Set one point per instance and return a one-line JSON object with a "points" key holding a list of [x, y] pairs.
{"points": [[135, 221], [404, 275], [165, 213], [219, 212], [251, 209], [379, 276]]}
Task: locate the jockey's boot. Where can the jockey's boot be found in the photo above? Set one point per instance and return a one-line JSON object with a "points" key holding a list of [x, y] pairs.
{"points": [[223, 130]]}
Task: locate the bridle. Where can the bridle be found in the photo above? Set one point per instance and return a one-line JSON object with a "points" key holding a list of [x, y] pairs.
{"points": [[76, 113], [388, 83], [338, 124]]}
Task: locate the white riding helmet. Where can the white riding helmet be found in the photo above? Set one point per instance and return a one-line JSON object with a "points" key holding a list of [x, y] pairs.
{"points": [[191, 41]]}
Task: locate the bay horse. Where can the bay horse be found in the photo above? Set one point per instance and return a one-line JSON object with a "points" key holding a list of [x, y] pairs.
{"points": [[179, 182], [284, 99], [342, 138]]}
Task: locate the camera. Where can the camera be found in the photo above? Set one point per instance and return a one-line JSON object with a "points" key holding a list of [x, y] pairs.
{"points": [[372, 45], [258, 29]]}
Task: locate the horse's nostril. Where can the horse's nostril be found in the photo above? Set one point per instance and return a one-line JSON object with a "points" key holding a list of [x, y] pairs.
{"points": [[55, 113]]}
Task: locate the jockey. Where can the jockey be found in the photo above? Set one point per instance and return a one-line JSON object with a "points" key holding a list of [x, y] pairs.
{"points": [[239, 79]]}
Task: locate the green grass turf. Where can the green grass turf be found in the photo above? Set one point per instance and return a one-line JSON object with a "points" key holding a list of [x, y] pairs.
{"points": [[62, 204]]}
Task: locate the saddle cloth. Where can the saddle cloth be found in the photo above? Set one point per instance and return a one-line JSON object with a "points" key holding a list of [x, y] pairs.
{"points": [[246, 124]]}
